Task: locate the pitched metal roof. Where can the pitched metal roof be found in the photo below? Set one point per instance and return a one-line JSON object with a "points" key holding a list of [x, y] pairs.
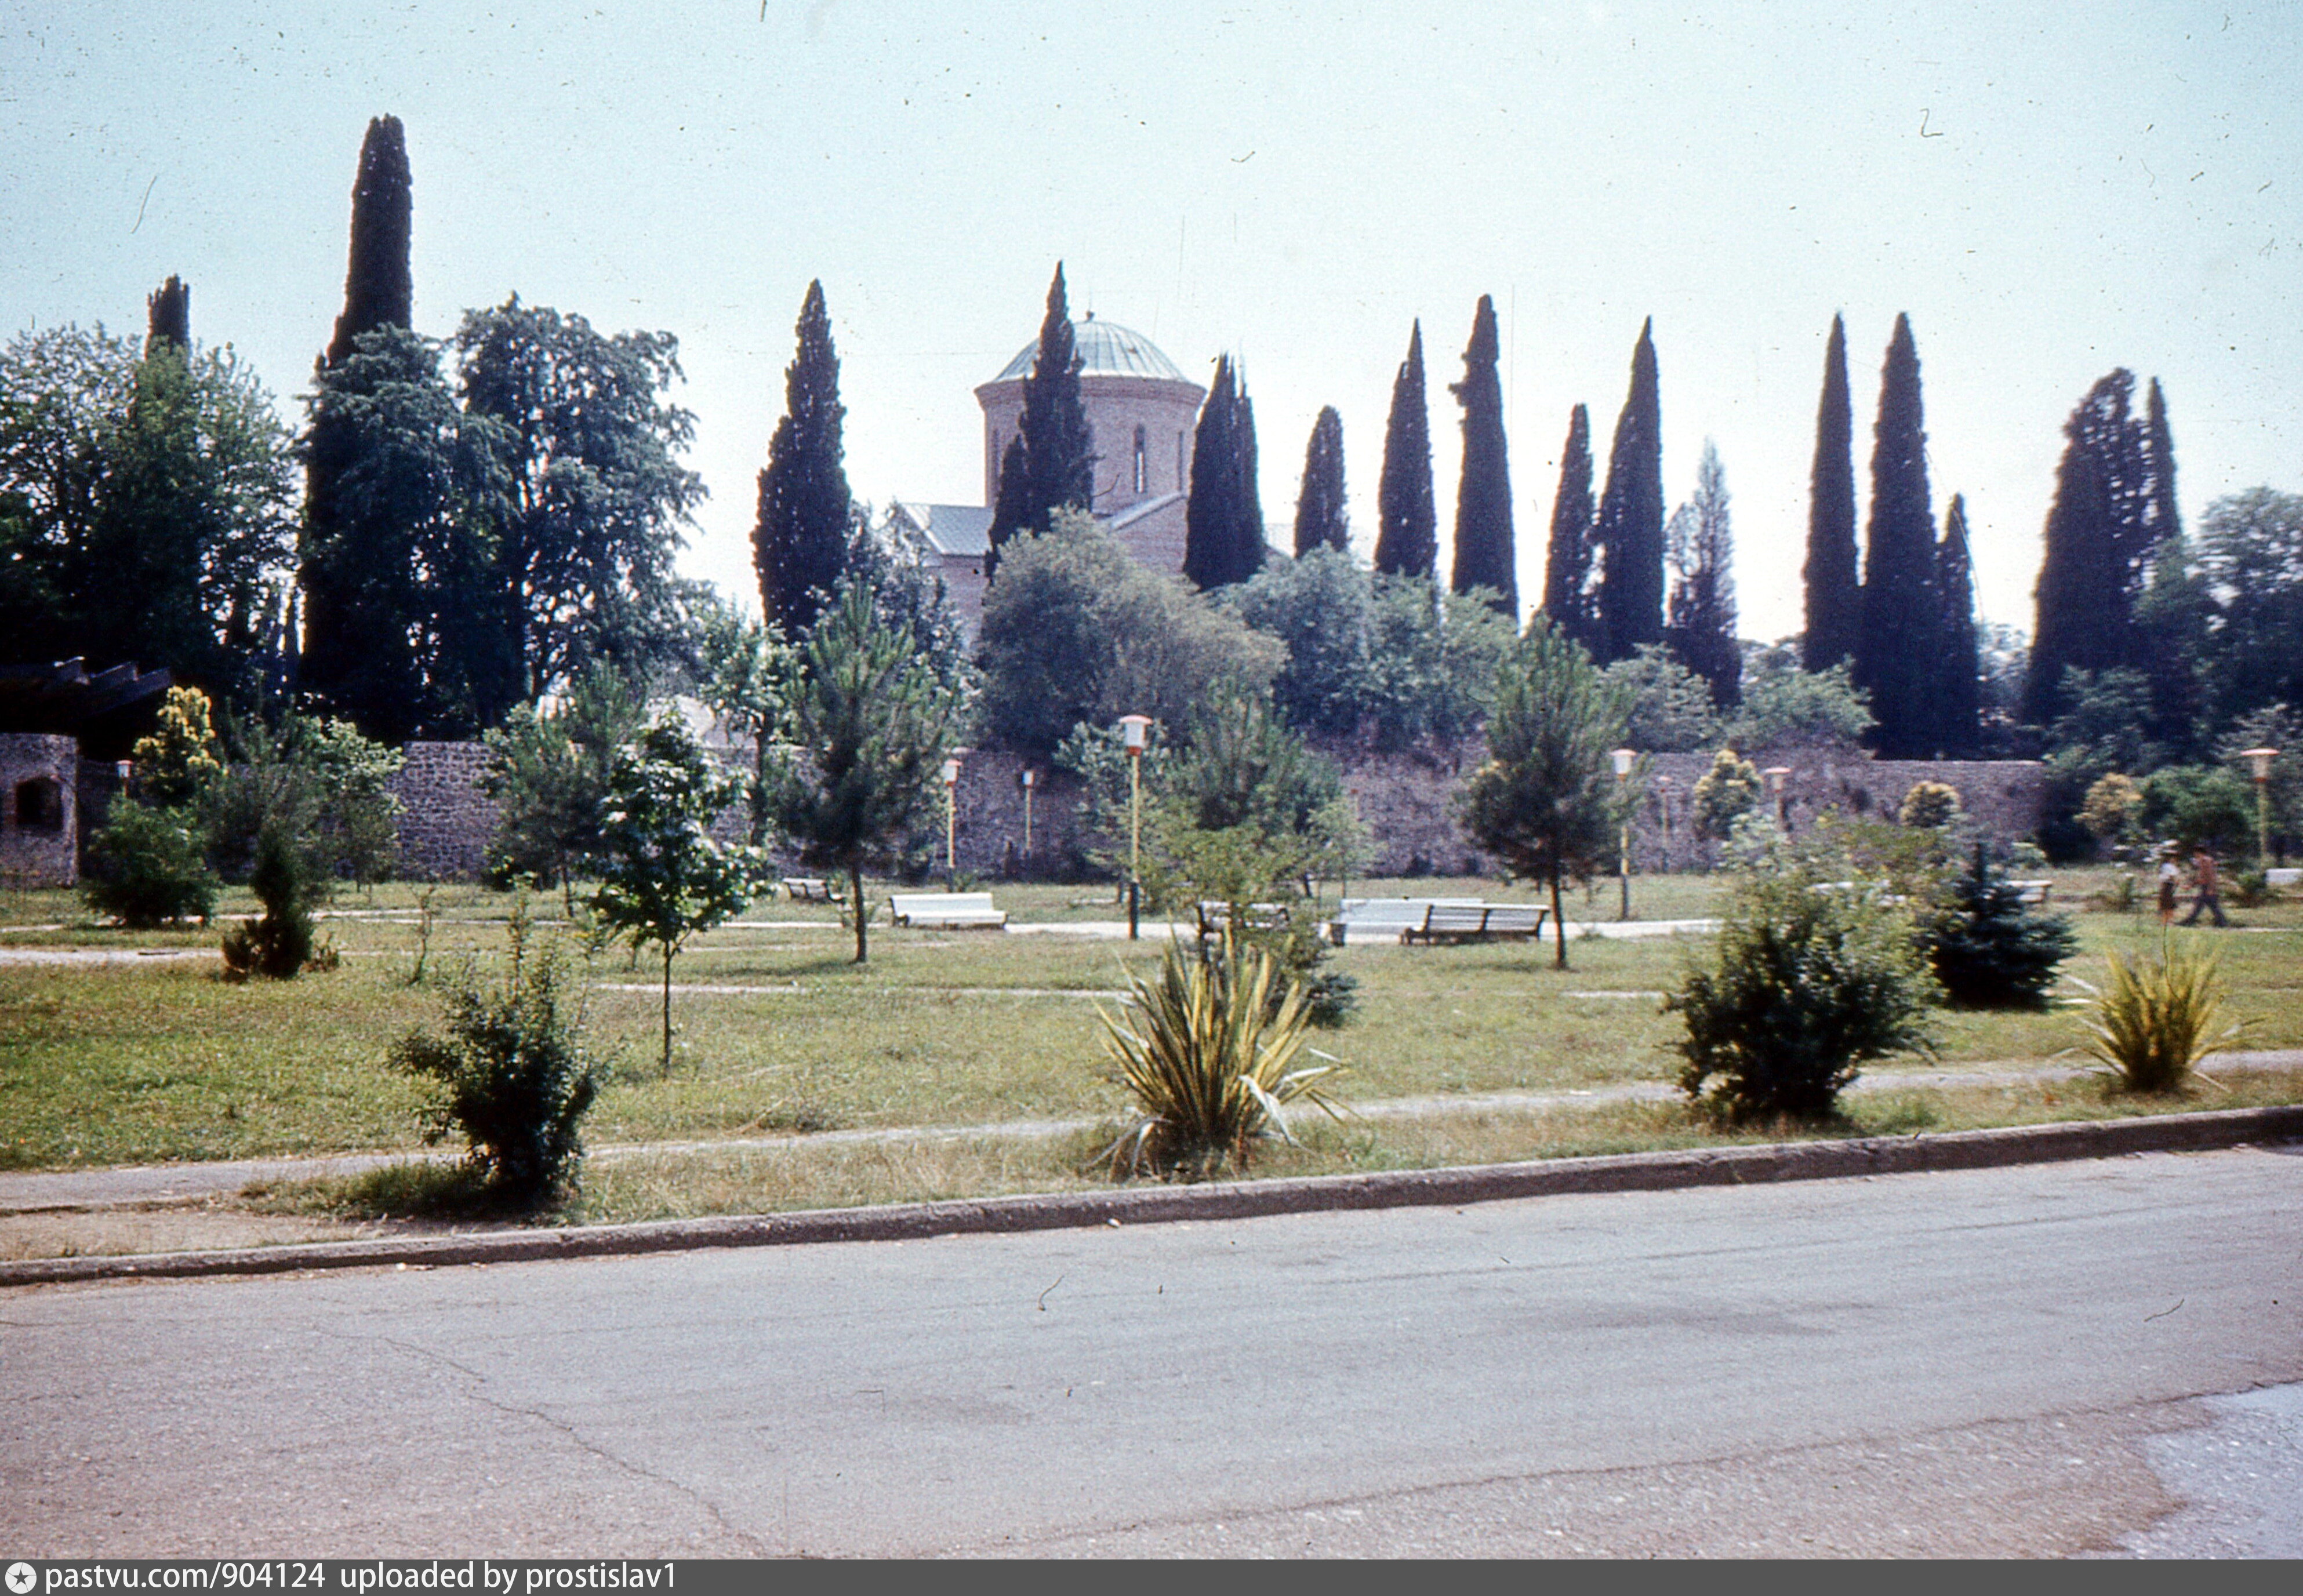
{"points": [[1105, 349], [960, 529]]}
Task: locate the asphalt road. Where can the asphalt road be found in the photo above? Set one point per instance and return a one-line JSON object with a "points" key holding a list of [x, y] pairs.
{"points": [[2008, 1360]]}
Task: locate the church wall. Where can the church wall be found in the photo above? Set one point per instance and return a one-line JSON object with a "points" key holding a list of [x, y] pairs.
{"points": [[1116, 407], [39, 821]]}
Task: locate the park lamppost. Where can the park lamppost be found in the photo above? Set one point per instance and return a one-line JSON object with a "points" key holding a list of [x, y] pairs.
{"points": [[1133, 731], [1778, 774], [950, 819], [2261, 758], [1031, 779], [1623, 758]]}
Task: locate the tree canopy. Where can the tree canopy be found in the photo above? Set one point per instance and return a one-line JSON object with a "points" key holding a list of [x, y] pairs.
{"points": [[1407, 526], [1570, 597], [1701, 542], [1630, 524], [1486, 552], [1223, 519], [1321, 520], [1053, 448], [1834, 589], [1896, 653]]}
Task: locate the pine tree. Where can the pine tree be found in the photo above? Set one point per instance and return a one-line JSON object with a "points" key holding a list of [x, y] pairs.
{"points": [[1630, 524], [1702, 549], [1958, 694], [1834, 592], [1896, 651], [169, 316], [1407, 526], [1486, 552], [379, 286], [1223, 524], [1059, 454], [1321, 519], [1569, 597], [799, 544]]}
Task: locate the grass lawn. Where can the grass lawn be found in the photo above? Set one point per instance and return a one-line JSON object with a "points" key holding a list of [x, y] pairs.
{"points": [[151, 1060]]}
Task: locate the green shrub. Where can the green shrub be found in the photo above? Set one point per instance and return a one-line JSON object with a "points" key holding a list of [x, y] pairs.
{"points": [[288, 880], [2156, 1019], [146, 867], [1725, 793], [1207, 1052], [1810, 975], [1988, 949], [514, 1074], [1929, 805]]}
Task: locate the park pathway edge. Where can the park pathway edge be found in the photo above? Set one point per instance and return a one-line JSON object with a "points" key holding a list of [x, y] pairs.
{"points": [[1227, 1200]]}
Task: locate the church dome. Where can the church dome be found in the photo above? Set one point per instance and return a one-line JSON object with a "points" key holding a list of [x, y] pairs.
{"points": [[1105, 349]]}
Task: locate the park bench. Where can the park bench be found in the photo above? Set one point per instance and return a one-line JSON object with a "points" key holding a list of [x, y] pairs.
{"points": [[1215, 917], [1364, 919], [807, 888], [946, 911], [2032, 891], [1476, 923]]}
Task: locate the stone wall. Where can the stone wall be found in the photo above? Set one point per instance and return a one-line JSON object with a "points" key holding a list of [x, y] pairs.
{"points": [[40, 810], [1406, 802], [446, 821]]}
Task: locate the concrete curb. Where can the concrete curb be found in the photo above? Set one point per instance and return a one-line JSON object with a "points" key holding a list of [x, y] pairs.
{"points": [[1245, 1199]]}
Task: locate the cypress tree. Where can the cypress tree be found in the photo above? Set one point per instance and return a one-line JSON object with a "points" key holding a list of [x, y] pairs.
{"points": [[2089, 571], [799, 544], [1059, 454], [2169, 604], [1702, 549], [1321, 520], [1568, 596], [169, 316], [1486, 552], [1630, 525], [1223, 525], [1407, 526], [1834, 593], [1897, 650], [379, 285], [343, 629], [1009, 505], [1958, 695]]}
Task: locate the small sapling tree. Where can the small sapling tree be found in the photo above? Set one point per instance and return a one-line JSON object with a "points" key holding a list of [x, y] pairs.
{"points": [[662, 876], [870, 725], [1545, 802]]}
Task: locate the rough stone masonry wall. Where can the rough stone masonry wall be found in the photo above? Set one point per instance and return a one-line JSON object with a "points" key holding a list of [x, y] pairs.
{"points": [[39, 820], [1405, 801], [445, 820]]}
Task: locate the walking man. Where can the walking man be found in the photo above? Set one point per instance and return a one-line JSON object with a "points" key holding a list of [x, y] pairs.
{"points": [[2210, 898]]}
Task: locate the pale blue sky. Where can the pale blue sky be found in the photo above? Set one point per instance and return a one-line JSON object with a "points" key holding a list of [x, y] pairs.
{"points": [[2049, 191]]}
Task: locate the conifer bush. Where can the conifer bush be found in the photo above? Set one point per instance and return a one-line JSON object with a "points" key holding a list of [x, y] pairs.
{"points": [[1810, 975], [1988, 949], [147, 868]]}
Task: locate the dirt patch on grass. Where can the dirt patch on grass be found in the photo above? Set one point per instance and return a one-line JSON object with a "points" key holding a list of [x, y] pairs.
{"points": [[212, 1226]]}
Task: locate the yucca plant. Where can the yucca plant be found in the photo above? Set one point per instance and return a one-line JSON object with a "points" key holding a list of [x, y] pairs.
{"points": [[2157, 1017], [1210, 1056]]}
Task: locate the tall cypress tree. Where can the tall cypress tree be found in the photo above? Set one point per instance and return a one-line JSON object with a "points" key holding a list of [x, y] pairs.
{"points": [[1702, 548], [1895, 653], [1223, 524], [799, 544], [1486, 552], [379, 284], [1568, 595], [1058, 455], [169, 316], [1834, 591], [2099, 546], [1321, 520], [344, 627], [1407, 526], [1630, 525], [1958, 694]]}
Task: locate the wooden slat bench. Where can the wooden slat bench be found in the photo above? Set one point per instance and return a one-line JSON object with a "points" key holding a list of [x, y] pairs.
{"points": [[807, 888], [946, 911], [1479, 922], [1216, 916], [1385, 917]]}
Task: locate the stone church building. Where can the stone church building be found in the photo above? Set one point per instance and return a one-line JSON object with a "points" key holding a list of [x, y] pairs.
{"points": [[1141, 412]]}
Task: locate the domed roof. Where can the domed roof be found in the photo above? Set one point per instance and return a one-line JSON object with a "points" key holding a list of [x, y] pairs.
{"points": [[1105, 349]]}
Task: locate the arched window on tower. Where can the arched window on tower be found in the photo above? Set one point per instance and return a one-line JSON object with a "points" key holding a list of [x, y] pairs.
{"points": [[1142, 468]]}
